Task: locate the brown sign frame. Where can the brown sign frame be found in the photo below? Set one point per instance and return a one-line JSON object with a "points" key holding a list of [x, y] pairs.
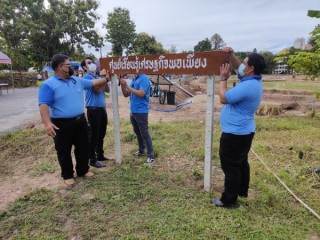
{"points": [[203, 63]]}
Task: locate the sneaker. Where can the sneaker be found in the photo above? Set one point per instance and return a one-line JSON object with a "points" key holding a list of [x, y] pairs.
{"points": [[97, 164], [150, 160], [138, 154]]}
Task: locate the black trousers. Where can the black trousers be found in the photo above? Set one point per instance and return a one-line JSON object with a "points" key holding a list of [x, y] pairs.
{"points": [[98, 121], [72, 132], [233, 153], [140, 126]]}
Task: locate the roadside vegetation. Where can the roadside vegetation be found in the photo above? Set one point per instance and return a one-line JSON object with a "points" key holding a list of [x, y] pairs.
{"points": [[166, 200]]}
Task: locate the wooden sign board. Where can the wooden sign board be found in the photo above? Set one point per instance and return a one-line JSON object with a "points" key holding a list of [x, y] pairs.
{"points": [[203, 63]]}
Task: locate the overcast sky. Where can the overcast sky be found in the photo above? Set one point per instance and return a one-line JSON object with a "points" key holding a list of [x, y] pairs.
{"points": [[243, 24]]}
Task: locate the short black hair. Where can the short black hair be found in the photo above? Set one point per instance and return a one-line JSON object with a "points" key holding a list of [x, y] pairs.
{"points": [[83, 62], [57, 60], [256, 60]]}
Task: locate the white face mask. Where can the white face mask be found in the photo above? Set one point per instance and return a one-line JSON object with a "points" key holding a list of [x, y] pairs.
{"points": [[241, 71], [92, 67]]}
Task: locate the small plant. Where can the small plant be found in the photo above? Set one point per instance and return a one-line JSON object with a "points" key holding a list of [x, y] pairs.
{"points": [[195, 172]]}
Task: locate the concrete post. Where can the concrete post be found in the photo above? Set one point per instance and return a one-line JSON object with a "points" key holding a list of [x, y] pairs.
{"points": [[116, 119], [209, 133]]}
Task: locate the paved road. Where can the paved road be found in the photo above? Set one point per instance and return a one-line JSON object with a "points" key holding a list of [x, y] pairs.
{"points": [[17, 108]]}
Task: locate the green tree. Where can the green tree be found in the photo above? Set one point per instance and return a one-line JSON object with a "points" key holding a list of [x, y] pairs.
{"points": [[80, 54], [204, 45], [314, 13], [64, 27], [14, 27], [308, 62], [217, 42], [36, 33], [79, 23], [241, 55], [120, 30], [313, 39], [270, 62], [146, 44]]}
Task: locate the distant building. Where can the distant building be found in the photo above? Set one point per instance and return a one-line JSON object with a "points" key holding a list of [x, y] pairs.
{"points": [[299, 43], [281, 68], [307, 47]]}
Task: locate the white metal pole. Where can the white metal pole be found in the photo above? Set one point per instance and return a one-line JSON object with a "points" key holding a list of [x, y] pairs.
{"points": [[116, 119], [209, 133]]}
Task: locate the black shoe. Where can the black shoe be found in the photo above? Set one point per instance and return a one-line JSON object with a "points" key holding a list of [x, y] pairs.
{"points": [[217, 202], [103, 158], [97, 164]]}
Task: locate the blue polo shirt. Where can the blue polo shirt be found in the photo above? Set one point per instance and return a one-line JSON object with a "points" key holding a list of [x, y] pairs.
{"points": [[237, 115], [94, 99], [64, 97], [140, 104]]}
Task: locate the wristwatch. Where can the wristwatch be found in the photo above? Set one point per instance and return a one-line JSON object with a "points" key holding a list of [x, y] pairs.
{"points": [[222, 78]]}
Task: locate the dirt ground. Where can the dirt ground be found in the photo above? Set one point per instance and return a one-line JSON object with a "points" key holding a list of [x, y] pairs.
{"points": [[18, 184]]}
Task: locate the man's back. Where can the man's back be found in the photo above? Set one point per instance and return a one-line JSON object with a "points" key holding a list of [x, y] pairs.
{"points": [[140, 104]]}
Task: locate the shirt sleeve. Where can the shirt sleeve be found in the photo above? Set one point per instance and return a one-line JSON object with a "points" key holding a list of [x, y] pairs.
{"points": [[86, 83], [45, 95], [145, 83]]}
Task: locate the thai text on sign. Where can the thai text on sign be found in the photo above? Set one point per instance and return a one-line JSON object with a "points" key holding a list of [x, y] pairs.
{"points": [[182, 63]]}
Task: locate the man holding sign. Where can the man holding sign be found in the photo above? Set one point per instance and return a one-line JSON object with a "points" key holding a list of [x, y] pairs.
{"points": [[139, 91], [237, 124]]}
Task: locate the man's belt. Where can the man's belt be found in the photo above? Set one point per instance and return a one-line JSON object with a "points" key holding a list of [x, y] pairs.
{"points": [[68, 119]]}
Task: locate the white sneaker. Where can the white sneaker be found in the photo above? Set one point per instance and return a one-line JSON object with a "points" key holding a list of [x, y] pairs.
{"points": [[138, 154], [150, 160]]}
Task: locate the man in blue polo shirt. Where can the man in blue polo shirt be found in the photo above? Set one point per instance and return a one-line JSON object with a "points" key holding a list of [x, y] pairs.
{"points": [[139, 92], [238, 125], [97, 115], [62, 111]]}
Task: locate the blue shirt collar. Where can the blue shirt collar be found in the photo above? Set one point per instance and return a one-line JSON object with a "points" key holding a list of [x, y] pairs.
{"points": [[255, 77], [64, 80]]}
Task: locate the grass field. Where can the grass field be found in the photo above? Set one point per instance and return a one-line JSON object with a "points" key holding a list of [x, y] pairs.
{"points": [[280, 84], [166, 200], [292, 85]]}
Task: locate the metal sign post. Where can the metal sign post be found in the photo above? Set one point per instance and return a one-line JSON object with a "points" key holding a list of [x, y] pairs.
{"points": [[209, 133], [116, 121]]}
